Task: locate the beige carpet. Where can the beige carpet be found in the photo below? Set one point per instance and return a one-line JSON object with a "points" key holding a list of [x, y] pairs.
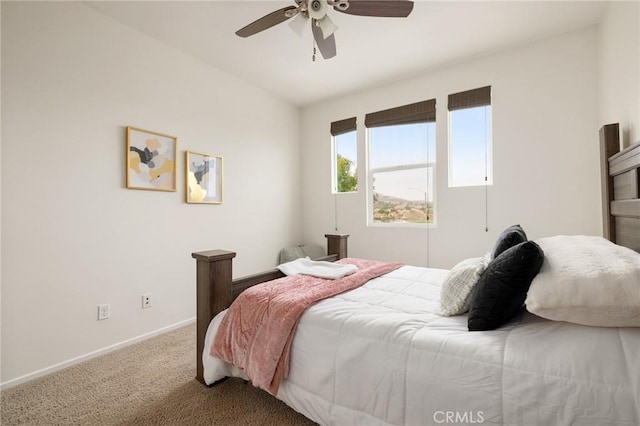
{"points": [[149, 383]]}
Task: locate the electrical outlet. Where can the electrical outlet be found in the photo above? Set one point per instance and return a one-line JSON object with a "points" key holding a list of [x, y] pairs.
{"points": [[147, 300], [104, 311]]}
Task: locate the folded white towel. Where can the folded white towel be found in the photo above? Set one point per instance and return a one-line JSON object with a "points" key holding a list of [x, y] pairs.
{"points": [[317, 268]]}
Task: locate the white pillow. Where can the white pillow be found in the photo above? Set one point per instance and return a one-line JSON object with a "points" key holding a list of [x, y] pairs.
{"points": [[455, 293], [587, 280]]}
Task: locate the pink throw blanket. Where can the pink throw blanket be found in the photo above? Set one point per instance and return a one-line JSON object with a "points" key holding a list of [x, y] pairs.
{"points": [[258, 328]]}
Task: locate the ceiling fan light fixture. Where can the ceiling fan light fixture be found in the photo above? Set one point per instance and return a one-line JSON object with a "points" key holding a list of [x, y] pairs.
{"points": [[327, 26], [298, 24]]}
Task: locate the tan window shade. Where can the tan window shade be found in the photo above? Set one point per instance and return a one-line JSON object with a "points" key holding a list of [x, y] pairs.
{"points": [[470, 98], [420, 112], [343, 126]]}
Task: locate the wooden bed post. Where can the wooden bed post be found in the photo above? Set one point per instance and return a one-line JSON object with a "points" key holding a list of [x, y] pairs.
{"points": [[337, 244], [609, 145], [216, 288], [212, 269]]}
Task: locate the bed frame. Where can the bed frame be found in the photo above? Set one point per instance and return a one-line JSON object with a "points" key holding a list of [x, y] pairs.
{"points": [[620, 179], [216, 288]]}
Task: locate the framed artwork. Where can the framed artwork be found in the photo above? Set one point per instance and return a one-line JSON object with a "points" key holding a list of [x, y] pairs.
{"points": [[204, 178], [151, 160]]}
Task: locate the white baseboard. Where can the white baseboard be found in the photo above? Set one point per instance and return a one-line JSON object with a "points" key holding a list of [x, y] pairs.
{"points": [[27, 377]]}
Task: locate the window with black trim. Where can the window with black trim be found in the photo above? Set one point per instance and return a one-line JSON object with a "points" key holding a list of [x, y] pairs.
{"points": [[401, 165], [470, 145], [345, 156]]}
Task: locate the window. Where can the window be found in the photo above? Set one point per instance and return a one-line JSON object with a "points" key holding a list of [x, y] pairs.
{"points": [[401, 162], [470, 147], [345, 156]]}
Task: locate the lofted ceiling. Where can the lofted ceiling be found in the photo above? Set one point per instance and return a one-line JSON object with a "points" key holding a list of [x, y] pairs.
{"points": [[370, 51]]}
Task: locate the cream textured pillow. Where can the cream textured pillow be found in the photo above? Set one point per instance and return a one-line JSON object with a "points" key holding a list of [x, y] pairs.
{"points": [[587, 280], [455, 293]]}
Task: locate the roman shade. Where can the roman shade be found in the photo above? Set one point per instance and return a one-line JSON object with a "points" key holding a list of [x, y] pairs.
{"points": [[470, 98], [343, 126], [420, 112]]}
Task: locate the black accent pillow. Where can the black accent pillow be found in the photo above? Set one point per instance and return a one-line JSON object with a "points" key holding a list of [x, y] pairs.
{"points": [[503, 286], [510, 237]]}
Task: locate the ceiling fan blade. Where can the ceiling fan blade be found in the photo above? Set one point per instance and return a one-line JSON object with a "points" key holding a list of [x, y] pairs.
{"points": [[267, 21], [381, 8], [327, 45]]}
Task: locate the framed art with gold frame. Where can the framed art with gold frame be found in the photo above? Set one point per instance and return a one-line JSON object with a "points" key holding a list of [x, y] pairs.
{"points": [[204, 178], [151, 160]]}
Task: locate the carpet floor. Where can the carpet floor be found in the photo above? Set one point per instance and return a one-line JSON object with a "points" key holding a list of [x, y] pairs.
{"points": [[149, 383]]}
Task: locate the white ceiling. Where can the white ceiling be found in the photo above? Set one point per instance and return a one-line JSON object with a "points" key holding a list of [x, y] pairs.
{"points": [[371, 51]]}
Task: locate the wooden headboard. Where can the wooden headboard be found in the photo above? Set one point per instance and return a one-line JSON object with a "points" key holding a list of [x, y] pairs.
{"points": [[620, 173]]}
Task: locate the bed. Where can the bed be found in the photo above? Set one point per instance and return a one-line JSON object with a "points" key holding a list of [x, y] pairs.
{"points": [[383, 353]]}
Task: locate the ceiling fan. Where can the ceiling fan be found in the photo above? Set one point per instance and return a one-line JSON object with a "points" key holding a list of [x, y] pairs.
{"points": [[322, 26]]}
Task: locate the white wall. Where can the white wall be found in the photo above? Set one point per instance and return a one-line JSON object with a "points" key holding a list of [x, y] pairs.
{"points": [[0, 198], [545, 139], [619, 69], [73, 237]]}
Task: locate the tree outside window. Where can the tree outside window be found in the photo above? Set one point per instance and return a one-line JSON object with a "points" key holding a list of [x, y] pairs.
{"points": [[347, 177]]}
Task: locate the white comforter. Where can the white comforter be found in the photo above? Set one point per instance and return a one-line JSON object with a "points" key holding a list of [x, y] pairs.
{"points": [[381, 354]]}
